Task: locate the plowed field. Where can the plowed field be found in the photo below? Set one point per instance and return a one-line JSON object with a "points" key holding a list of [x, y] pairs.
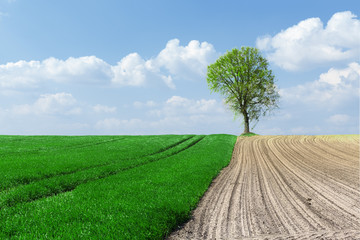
{"points": [[283, 187]]}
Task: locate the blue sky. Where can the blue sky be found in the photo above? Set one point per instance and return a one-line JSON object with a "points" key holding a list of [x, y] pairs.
{"points": [[139, 67]]}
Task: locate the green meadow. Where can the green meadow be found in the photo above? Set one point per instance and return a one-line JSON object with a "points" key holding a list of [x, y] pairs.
{"points": [[104, 187]]}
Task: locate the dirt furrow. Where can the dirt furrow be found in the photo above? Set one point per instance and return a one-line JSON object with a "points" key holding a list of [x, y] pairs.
{"points": [[335, 190], [283, 187]]}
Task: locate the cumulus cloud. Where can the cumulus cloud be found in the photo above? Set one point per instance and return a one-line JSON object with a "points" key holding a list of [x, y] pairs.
{"points": [[337, 77], [332, 89], [22, 74], [327, 105], [173, 62], [168, 81], [130, 71], [88, 69], [59, 103], [185, 61], [309, 43]]}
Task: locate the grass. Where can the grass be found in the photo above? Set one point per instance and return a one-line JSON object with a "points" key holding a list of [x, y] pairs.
{"points": [[104, 187], [250, 134]]}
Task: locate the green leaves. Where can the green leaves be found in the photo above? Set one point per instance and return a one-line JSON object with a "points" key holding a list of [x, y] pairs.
{"points": [[243, 78]]}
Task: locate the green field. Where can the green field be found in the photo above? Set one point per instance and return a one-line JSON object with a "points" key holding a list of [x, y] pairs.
{"points": [[104, 187]]}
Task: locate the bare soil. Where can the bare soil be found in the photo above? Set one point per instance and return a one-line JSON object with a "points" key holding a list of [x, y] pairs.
{"points": [[283, 187]]}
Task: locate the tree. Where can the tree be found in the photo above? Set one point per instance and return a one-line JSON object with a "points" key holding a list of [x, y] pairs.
{"points": [[243, 77]]}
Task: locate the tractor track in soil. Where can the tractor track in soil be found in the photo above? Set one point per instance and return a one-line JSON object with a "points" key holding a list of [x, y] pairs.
{"points": [[283, 187]]}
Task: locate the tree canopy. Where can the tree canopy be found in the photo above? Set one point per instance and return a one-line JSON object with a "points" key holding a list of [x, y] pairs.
{"points": [[244, 79]]}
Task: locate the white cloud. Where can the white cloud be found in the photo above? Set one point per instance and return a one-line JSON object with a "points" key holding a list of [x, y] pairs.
{"points": [[98, 108], [59, 103], [73, 70], [175, 115], [339, 119], [173, 62], [130, 71], [177, 101], [337, 77], [187, 62], [332, 89], [89, 69], [328, 105], [177, 105], [168, 81], [20, 74], [309, 43]]}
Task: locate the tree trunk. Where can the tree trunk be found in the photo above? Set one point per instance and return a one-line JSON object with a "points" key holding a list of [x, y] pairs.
{"points": [[246, 122]]}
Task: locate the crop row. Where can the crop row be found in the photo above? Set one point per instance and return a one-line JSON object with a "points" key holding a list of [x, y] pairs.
{"points": [[68, 181], [62, 159], [144, 197]]}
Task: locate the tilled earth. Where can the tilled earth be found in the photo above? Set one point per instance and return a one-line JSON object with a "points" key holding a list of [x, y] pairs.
{"points": [[283, 187]]}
